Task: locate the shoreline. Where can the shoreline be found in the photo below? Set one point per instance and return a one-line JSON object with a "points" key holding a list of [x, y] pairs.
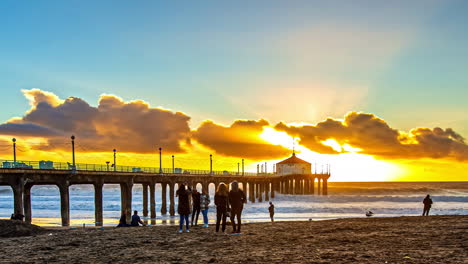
{"points": [[406, 239]]}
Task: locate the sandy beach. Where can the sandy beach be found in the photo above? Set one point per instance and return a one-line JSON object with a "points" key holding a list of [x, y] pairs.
{"points": [[433, 239]]}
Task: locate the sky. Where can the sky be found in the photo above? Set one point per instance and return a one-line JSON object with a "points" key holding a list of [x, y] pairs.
{"points": [[378, 89]]}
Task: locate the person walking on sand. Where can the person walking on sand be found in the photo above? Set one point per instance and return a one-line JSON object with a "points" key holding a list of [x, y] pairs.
{"points": [[136, 220], [195, 206], [236, 200], [183, 208], [271, 209], [222, 205], [204, 206], [427, 205]]}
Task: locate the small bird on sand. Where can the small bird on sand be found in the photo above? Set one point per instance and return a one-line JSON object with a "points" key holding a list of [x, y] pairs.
{"points": [[369, 213]]}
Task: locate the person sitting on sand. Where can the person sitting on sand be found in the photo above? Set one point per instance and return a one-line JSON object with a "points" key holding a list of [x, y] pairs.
{"points": [[222, 205], [236, 200], [123, 221], [204, 206], [271, 209], [17, 217], [195, 206], [136, 220], [427, 205], [183, 209]]}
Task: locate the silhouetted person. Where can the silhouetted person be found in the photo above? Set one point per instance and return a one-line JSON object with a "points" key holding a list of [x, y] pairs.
{"points": [[236, 200], [204, 206], [123, 221], [17, 217], [222, 205], [183, 209], [136, 220], [427, 205], [271, 209], [195, 206]]}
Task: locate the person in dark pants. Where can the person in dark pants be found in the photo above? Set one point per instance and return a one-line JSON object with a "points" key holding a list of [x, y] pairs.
{"points": [[136, 220], [195, 206], [183, 208], [236, 200], [427, 205], [271, 209], [222, 205]]}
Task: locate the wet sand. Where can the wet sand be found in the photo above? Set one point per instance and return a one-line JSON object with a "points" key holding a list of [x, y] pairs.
{"points": [[433, 239]]}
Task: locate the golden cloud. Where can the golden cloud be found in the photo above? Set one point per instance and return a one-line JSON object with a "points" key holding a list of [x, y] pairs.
{"points": [[240, 139], [373, 136]]}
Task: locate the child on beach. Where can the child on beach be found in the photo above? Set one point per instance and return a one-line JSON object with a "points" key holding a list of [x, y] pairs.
{"points": [[204, 206], [271, 209]]}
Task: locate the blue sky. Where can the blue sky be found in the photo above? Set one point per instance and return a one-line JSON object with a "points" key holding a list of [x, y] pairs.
{"points": [[295, 61]]}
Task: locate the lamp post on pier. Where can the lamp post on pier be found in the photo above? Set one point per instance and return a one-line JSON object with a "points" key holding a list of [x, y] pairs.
{"points": [[73, 151], [14, 151], [242, 167], [211, 164], [173, 169], [107, 162], [238, 168], [115, 164], [160, 161]]}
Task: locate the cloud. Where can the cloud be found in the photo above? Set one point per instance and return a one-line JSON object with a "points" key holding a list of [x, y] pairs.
{"points": [[128, 126], [240, 139], [373, 136]]}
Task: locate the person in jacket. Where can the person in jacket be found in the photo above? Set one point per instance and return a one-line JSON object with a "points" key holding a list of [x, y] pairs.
{"points": [[236, 200], [427, 205], [204, 206], [183, 208], [195, 206], [222, 206]]}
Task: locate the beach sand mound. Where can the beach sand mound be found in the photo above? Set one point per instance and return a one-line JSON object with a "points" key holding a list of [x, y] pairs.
{"points": [[15, 228]]}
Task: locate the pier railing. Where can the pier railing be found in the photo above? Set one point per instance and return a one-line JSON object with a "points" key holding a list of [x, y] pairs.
{"points": [[52, 165]]}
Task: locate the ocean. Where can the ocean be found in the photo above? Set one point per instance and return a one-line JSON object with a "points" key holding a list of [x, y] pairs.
{"points": [[345, 199]]}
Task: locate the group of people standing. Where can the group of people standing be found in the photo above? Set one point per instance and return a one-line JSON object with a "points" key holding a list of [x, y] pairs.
{"points": [[228, 204]]}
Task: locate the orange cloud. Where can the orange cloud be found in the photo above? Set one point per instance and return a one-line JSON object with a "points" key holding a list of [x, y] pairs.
{"points": [[241, 139], [375, 137], [128, 126]]}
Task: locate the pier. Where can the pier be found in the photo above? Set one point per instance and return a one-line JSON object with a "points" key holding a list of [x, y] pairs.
{"points": [[258, 187]]}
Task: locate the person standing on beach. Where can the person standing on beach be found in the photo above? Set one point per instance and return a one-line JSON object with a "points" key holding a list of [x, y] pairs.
{"points": [[427, 205], [236, 200], [183, 208], [222, 205], [204, 206], [195, 206], [271, 209]]}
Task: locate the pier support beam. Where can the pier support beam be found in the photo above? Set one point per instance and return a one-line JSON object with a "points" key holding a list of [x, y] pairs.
{"points": [[319, 186], [251, 192], [98, 204], [274, 187], [267, 191], [171, 199], [145, 199], [152, 189], [205, 186], [325, 187], [27, 203], [163, 198], [261, 187], [65, 203], [312, 186]]}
